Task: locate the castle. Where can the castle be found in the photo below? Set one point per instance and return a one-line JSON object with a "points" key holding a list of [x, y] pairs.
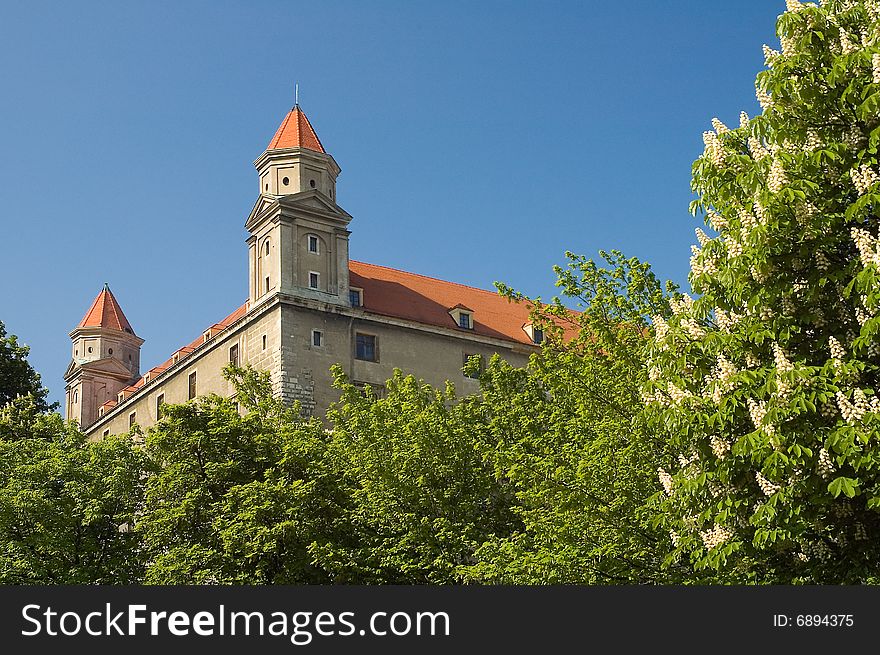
{"points": [[309, 307]]}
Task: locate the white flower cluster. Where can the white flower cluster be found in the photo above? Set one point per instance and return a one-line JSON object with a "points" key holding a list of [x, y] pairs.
{"points": [[714, 150], [702, 265], [783, 366], [702, 237], [822, 262], [875, 65], [837, 350], [776, 178], [757, 149], [789, 45], [760, 211], [719, 446], [717, 221], [677, 395], [695, 330], [734, 247], [752, 361], [863, 178], [724, 374], [862, 316], [760, 276], [743, 119], [673, 535], [825, 467], [757, 412], [661, 327], [715, 536], [788, 306], [813, 142], [770, 55], [747, 221], [854, 411], [763, 98], [720, 128], [666, 481], [767, 487], [726, 320], [682, 304], [793, 5], [869, 247], [847, 47], [828, 410]]}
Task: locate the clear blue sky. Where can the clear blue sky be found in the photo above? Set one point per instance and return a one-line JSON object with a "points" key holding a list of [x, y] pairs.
{"points": [[478, 142]]}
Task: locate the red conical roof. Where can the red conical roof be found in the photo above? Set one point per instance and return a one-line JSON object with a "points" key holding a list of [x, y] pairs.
{"points": [[105, 312], [296, 132]]}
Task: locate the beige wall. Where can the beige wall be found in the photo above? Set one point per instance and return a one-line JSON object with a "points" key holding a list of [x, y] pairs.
{"points": [[300, 371]]}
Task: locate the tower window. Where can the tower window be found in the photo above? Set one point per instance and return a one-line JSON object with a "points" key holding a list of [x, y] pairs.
{"points": [[313, 244], [312, 183], [192, 385], [107, 432], [75, 397], [76, 353], [285, 181], [314, 280], [233, 355], [160, 400], [110, 351], [267, 284], [267, 246], [132, 418], [317, 338], [365, 347], [264, 342], [356, 297]]}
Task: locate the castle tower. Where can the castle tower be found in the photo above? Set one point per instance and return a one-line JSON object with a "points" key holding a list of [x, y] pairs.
{"points": [[298, 244], [106, 359]]}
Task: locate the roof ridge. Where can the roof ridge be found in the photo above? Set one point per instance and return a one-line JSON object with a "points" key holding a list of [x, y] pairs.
{"points": [[427, 277]]}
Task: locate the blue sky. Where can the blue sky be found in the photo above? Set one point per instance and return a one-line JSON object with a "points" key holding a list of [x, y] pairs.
{"points": [[478, 142]]}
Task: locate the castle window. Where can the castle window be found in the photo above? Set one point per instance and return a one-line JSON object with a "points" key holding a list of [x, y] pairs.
{"points": [[76, 353], [313, 244], [233, 355], [538, 335], [312, 183], [314, 280], [317, 338], [107, 432], [267, 284], [264, 342], [267, 247], [192, 386], [75, 397], [110, 351], [365, 347], [285, 181], [160, 400], [464, 320], [90, 349], [356, 297], [132, 418]]}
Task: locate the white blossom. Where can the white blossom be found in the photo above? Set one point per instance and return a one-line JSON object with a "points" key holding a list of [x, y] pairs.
{"points": [[661, 327], [720, 447], [763, 98], [734, 247], [717, 221], [793, 5], [767, 487], [863, 178], [770, 55], [743, 119], [714, 149], [757, 149], [837, 350], [847, 47], [720, 128], [776, 178], [715, 536], [752, 361], [702, 237], [825, 467], [813, 142], [666, 481], [875, 64]]}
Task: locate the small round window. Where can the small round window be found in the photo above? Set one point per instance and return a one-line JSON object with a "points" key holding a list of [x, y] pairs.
{"points": [[90, 349], [110, 351], [312, 183], [285, 181]]}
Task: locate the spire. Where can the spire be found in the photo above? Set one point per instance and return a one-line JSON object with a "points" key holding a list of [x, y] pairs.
{"points": [[105, 312], [296, 132]]}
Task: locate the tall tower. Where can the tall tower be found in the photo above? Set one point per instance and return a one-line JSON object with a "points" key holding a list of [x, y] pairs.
{"points": [[298, 244], [106, 359]]}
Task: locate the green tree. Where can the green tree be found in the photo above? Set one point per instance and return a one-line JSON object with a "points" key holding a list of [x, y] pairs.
{"points": [[766, 382], [17, 377], [67, 506], [565, 435], [239, 492], [421, 498]]}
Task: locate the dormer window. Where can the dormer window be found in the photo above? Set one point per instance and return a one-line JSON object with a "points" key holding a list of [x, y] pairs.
{"points": [[313, 244], [463, 317], [536, 334], [356, 297]]}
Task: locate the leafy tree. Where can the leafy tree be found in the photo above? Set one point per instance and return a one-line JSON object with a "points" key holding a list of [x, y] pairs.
{"points": [[767, 382], [421, 499], [237, 496], [565, 435], [66, 507], [17, 377]]}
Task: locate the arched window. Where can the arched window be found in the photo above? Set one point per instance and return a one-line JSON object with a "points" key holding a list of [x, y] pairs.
{"points": [[75, 397], [267, 247]]}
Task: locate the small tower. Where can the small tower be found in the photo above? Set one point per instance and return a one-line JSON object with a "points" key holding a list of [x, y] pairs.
{"points": [[298, 244], [106, 359]]}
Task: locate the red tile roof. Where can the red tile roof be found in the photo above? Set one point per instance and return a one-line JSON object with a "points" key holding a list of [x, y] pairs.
{"points": [[105, 312], [422, 299], [295, 131]]}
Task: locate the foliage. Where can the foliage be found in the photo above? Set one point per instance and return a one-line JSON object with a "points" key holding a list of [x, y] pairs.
{"points": [[766, 384], [17, 377], [239, 492], [421, 498], [565, 435]]}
